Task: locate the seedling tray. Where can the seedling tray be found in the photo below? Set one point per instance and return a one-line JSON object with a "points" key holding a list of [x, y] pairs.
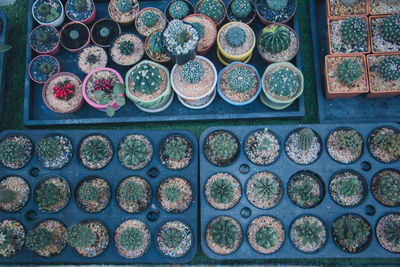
{"points": [[286, 211], [36, 113], [3, 40], [112, 216], [356, 109]]}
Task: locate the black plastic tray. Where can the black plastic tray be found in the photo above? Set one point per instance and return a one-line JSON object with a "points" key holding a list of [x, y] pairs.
{"points": [[36, 113], [3, 40], [112, 216], [285, 211], [356, 109]]}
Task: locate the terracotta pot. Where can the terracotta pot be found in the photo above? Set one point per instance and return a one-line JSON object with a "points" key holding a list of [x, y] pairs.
{"points": [[52, 52], [85, 21], [219, 23], [168, 17], [91, 31], [111, 12], [77, 49], [204, 51], [396, 9], [371, 37], [251, 19], [328, 14], [30, 64], [266, 22], [329, 94], [148, 54]]}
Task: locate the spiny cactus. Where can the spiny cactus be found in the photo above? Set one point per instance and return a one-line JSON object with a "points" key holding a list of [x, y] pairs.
{"points": [[88, 192], [41, 36], [50, 13], [6, 237], [306, 139], [81, 236], [349, 187], [309, 232], [126, 48], [304, 193], [241, 8], [155, 43], [392, 232], [94, 150], [222, 191], [181, 36], [351, 231], [277, 5], [349, 71], [178, 9], [131, 238], [240, 79], [172, 237], [266, 188], [146, 78], [46, 67], [124, 6], [11, 151], [92, 58], [80, 5], [212, 9], [266, 237], [192, 71], [389, 188], [74, 34], [353, 30], [349, 140], [7, 196], [175, 149], [173, 193], [44, 9], [47, 195], [48, 148], [104, 32], [235, 36], [265, 143], [150, 18], [199, 27], [348, 2], [389, 68], [390, 28], [388, 141], [284, 82], [132, 152], [224, 146], [39, 239], [224, 233], [275, 39], [131, 191]]}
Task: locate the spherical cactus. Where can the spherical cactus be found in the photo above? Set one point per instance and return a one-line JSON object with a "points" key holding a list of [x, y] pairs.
{"points": [[131, 191], [306, 139], [146, 79], [6, 237], [349, 71], [88, 192], [172, 237], [192, 72], [284, 82], [266, 188], [11, 151], [390, 28], [131, 238], [74, 34], [275, 39], [132, 152], [224, 146], [45, 67], [94, 150], [124, 6], [47, 195], [175, 149], [348, 2], [389, 68], [235, 36], [44, 9], [155, 44], [224, 233], [41, 36], [150, 18], [353, 30], [173, 193], [7, 196], [126, 48], [309, 233], [392, 232], [199, 27], [48, 148], [178, 9], [39, 239], [222, 191], [277, 5], [104, 32], [80, 5], [212, 9], [266, 237], [241, 8], [81, 236], [240, 79], [92, 58]]}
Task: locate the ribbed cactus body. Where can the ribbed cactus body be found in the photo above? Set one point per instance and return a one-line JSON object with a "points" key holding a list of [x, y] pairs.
{"points": [[241, 8], [240, 79], [349, 71], [155, 43], [284, 82], [275, 39], [353, 30], [150, 18], [306, 138], [146, 79], [212, 9], [178, 9], [235, 36]]}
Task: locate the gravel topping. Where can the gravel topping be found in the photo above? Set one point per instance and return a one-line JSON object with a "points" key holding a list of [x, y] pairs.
{"points": [[186, 240]]}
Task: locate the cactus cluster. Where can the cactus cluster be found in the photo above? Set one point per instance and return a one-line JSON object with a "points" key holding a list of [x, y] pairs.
{"points": [[6, 238], [304, 193], [389, 68], [389, 188], [349, 187], [126, 48], [39, 239], [48, 148], [146, 79], [223, 232], [180, 38], [41, 36], [354, 30], [48, 12], [349, 140], [235, 36], [88, 192], [266, 237], [171, 237], [212, 9], [11, 151], [150, 18], [266, 188], [131, 238], [240, 79], [124, 6], [388, 142], [222, 191], [94, 150], [309, 233], [131, 191], [277, 5], [390, 28], [392, 232], [284, 82], [7, 196], [81, 236], [199, 28], [155, 44], [349, 2], [175, 149], [351, 230], [224, 146], [349, 71], [306, 139], [275, 39], [178, 9], [80, 5], [47, 195], [241, 8], [173, 193], [74, 35], [132, 152], [192, 72]]}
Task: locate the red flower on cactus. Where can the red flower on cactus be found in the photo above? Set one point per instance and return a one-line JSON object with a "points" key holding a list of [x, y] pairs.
{"points": [[104, 85], [64, 90]]}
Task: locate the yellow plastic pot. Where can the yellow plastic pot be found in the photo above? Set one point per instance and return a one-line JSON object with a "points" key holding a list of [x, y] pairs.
{"points": [[226, 62]]}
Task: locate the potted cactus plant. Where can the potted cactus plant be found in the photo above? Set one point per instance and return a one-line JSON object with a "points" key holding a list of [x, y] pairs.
{"points": [[123, 11], [154, 48], [275, 11], [134, 194], [348, 188], [303, 146], [264, 190], [262, 147], [54, 151], [175, 194], [104, 31], [14, 193], [175, 152], [241, 10], [383, 75], [335, 8], [74, 36], [45, 39], [127, 49], [223, 191], [221, 148], [135, 151], [305, 189], [92, 57], [214, 9], [178, 9], [385, 33], [48, 12], [95, 151], [385, 187], [384, 144], [81, 10], [148, 20], [380, 7], [132, 238], [345, 145], [42, 68], [387, 232], [14, 237], [174, 239], [206, 29], [52, 194], [92, 194], [15, 151]]}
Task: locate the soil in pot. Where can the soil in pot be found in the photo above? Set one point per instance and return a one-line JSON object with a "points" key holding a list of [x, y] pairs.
{"points": [[175, 194], [351, 233], [221, 148], [79, 10], [15, 151], [224, 235], [264, 190], [384, 144], [52, 194], [93, 194], [176, 152], [266, 234], [275, 11], [13, 233], [127, 49], [345, 145], [387, 232], [385, 33], [305, 190], [95, 151], [206, 30], [89, 238], [154, 48], [377, 7], [14, 193], [75, 36], [262, 147], [348, 189], [92, 57], [149, 20], [43, 67], [241, 10], [123, 11], [214, 9], [134, 194], [54, 151], [100, 87], [135, 151], [47, 238], [178, 9], [104, 31], [223, 191], [236, 39], [384, 74], [44, 39], [347, 7], [132, 238], [174, 239], [47, 11], [385, 187], [308, 234], [303, 146]]}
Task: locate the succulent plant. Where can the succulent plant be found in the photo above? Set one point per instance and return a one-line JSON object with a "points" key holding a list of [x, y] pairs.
{"points": [[74, 34], [6, 237], [306, 139], [275, 39], [81, 236], [47, 195], [124, 6], [284, 82], [266, 188], [155, 43], [392, 232], [105, 93], [175, 148], [150, 18], [41, 36], [241, 8], [131, 191], [104, 32], [46, 67], [266, 237], [351, 231], [94, 150], [44, 9], [7, 196], [39, 239], [92, 58], [389, 68], [146, 78], [277, 5], [132, 152], [131, 238], [223, 232], [222, 191], [179, 37], [11, 151], [348, 2], [349, 71], [309, 232], [388, 141], [353, 30], [212, 9], [240, 79], [172, 237], [235, 36], [173, 193], [349, 187], [390, 28], [126, 48], [224, 146], [192, 71], [48, 12], [349, 140], [88, 192], [199, 27], [304, 193], [80, 5], [48, 148], [389, 188], [178, 9], [265, 143]]}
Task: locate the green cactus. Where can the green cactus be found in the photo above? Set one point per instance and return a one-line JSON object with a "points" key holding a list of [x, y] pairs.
{"points": [[48, 148], [351, 230], [235, 36], [224, 146], [7, 196], [284, 82], [354, 30], [275, 39], [306, 139], [389, 142], [349, 140], [178, 9], [131, 191], [392, 232], [171, 237], [146, 79], [181, 36], [44, 9], [349, 71], [81, 236], [390, 28], [389, 68], [175, 149], [6, 238], [389, 188], [277, 5], [155, 43], [88, 192], [224, 233], [266, 188], [48, 12], [47, 195], [53, 15], [265, 143], [192, 71], [173, 193], [212, 9], [46, 67], [94, 150], [150, 18], [349, 187], [266, 237], [80, 5], [92, 58], [241, 8], [126, 48], [240, 79], [74, 34], [131, 238], [104, 32], [309, 233], [41, 36], [124, 6], [199, 28], [11, 151], [222, 191], [39, 239], [304, 192], [349, 2]]}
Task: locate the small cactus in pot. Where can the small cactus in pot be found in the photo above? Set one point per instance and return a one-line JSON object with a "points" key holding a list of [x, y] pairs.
{"points": [[123, 11], [154, 48], [178, 9], [214, 9], [241, 10]]}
